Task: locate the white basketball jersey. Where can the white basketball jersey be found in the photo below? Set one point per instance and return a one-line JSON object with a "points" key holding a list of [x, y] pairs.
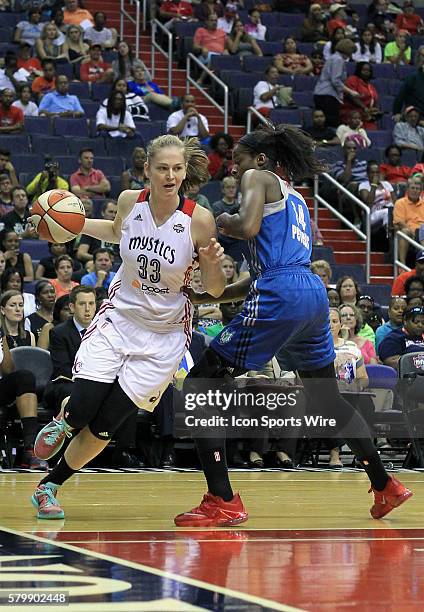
{"points": [[156, 263]]}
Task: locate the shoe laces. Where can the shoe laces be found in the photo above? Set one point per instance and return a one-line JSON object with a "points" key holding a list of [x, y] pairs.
{"points": [[46, 496], [206, 503], [54, 431]]}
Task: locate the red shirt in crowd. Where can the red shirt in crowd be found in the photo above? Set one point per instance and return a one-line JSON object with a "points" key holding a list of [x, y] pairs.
{"points": [[11, 116], [212, 40], [398, 287], [215, 162], [336, 23], [411, 23], [31, 64], [178, 8], [90, 72], [395, 174], [94, 177], [42, 85]]}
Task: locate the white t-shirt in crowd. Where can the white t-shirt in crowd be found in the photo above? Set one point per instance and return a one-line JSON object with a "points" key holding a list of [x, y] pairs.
{"points": [[100, 38], [29, 110], [20, 75], [114, 121], [191, 128], [261, 88]]}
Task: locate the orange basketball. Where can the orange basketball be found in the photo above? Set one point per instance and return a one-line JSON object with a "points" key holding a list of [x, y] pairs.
{"points": [[58, 215]]}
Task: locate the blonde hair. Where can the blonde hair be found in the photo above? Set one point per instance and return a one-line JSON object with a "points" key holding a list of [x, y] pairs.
{"points": [[5, 297], [194, 157], [44, 30], [321, 264]]}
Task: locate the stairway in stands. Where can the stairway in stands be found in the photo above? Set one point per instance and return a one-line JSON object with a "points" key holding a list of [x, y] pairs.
{"points": [[348, 249]]}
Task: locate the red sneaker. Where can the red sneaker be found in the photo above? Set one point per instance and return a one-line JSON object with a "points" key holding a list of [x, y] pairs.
{"points": [[214, 512], [392, 496]]}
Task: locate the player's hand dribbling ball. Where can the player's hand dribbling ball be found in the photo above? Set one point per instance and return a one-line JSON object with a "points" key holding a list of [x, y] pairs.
{"points": [[58, 215]]}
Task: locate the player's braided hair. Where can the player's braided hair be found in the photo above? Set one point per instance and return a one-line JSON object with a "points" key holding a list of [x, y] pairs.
{"points": [[195, 158], [286, 146]]}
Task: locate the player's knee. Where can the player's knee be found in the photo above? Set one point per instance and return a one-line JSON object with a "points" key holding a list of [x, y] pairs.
{"points": [[116, 409], [85, 402]]}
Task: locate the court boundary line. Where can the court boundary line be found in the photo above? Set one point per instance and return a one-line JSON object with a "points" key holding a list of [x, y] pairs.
{"points": [[164, 574], [252, 541]]}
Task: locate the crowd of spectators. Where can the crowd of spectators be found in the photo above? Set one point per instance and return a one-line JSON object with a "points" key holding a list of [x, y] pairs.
{"points": [[49, 300]]}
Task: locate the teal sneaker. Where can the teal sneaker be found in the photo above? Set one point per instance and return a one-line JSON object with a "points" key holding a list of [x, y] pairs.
{"points": [[44, 499]]}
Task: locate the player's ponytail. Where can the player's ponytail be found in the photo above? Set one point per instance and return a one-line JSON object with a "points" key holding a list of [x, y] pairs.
{"points": [[197, 165], [286, 146]]}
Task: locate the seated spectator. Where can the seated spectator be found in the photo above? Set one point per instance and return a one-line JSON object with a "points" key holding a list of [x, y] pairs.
{"points": [[75, 49], [25, 60], [240, 42], [411, 93], [11, 118], [314, 28], [206, 8], [409, 20], [370, 313], [227, 21], [382, 19], [60, 103], [338, 18], [6, 204], [45, 298], [269, 94], [323, 269], [22, 262], [407, 339], [414, 287], [393, 171], [134, 178], [397, 306], [88, 245], [14, 279], [351, 318], [200, 199], [348, 290], [317, 60], [61, 313], [365, 99], [100, 34], [6, 167], [48, 179], [24, 102], [367, 49], [378, 195], [254, 26], [47, 46], [47, 82], [172, 12], [45, 269], [209, 41], [94, 69], [353, 131], [29, 31], [290, 61], [408, 214], [11, 77], [150, 91], [324, 136], [58, 20], [135, 104], [63, 283], [230, 204], [328, 92], [408, 134], [398, 52], [12, 320], [330, 46], [333, 298], [220, 156], [398, 287], [75, 15], [17, 219], [102, 275], [188, 121], [126, 62], [88, 182], [351, 171], [114, 120]]}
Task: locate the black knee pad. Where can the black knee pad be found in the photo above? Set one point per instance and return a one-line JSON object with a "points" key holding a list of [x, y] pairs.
{"points": [[87, 398], [24, 381], [116, 408], [212, 365]]}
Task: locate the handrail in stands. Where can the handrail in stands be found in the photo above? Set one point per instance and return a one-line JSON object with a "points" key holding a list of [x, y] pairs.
{"points": [[251, 110], [190, 80], [135, 21], [168, 54], [397, 236], [363, 236]]}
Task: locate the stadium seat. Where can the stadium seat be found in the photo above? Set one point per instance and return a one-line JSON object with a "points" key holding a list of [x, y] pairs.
{"points": [[269, 47], [386, 103], [252, 63], [6, 33], [81, 90], [38, 361], [225, 62], [380, 292], [304, 82], [383, 71], [122, 147], [149, 131], [274, 33], [304, 98], [68, 164], [371, 154], [15, 143], [291, 20], [28, 163], [271, 19], [184, 30], [110, 166], [65, 69], [380, 138], [329, 154], [286, 115], [38, 125], [158, 113], [323, 252], [100, 91], [410, 157], [5, 47], [96, 144], [54, 145], [9, 20], [212, 191], [36, 248], [356, 271], [115, 186], [90, 108], [70, 127]]}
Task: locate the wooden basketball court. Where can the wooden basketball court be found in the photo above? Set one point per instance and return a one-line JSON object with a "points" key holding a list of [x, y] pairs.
{"points": [[310, 544]]}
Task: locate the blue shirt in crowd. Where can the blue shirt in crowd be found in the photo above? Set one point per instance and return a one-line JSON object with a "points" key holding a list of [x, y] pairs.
{"points": [[91, 279], [55, 102]]}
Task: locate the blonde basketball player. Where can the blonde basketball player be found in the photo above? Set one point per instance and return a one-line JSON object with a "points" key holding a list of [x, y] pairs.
{"points": [[130, 352]]}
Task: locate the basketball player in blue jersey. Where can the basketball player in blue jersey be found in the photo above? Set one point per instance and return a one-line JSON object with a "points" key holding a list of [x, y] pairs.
{"points": [[286, 311], [130, 352]]}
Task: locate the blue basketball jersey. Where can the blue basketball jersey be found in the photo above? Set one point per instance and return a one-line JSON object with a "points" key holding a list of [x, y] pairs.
{"points": [[285, 237]]}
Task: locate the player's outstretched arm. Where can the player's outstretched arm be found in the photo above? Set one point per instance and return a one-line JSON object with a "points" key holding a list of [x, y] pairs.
{"points": [[210, 251], [247, 222], [232, 293], [110, 231]]}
